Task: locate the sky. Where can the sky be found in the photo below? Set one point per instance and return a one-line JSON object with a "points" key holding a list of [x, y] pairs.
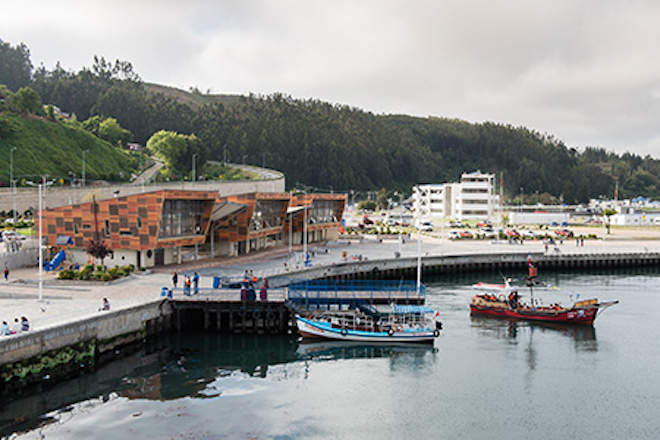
{"points": [[585, 71]]}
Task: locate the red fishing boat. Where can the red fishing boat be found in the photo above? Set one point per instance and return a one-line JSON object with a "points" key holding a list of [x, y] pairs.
{"points": [[505, 302]]}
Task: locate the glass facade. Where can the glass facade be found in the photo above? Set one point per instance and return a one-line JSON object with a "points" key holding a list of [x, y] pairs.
{"points": [[182, 218], [267, 214], [325, 211]]}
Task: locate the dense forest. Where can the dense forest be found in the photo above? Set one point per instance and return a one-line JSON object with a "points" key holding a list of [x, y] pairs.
{"points": [[330, 146]]}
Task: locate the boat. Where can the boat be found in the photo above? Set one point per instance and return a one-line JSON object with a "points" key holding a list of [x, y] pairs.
{"points": [[498, 304], [410, 323]]}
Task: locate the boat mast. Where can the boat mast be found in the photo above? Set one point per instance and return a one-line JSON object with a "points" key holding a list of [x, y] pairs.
{"points": [[419, 249]]}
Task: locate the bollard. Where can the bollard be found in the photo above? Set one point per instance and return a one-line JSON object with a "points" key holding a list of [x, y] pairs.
{"points": [[164, 292], [216, 282]]}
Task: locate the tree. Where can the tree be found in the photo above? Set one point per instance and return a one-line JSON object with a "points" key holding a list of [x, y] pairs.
{"points": [[98, 249], [111, 131], [15, 65], [26, 100], [173, 149]]}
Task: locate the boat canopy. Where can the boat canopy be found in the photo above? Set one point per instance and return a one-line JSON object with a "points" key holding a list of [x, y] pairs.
{"points": [[401, 310]]}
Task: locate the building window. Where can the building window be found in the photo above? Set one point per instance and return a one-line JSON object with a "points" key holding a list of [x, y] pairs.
{"points": [[182, 218], [139, 222], [124, 232], [267, 214]]}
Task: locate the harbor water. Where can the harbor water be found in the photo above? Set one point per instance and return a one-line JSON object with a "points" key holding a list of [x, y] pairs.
{"points": [[483, 378]]}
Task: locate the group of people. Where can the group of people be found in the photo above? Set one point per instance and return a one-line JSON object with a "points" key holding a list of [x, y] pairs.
{"points": [[248, 287], [188, 282], [17, 327]]}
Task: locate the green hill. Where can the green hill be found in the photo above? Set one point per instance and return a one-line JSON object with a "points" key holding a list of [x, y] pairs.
{"points": [[56, 150]]}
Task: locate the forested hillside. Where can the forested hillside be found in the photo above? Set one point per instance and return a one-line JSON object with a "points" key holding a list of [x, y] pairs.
{"points": [[331, 146]]}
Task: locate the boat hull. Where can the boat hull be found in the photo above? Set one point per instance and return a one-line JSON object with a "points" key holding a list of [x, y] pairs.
{"points": [[569, 316], [311, 329]]}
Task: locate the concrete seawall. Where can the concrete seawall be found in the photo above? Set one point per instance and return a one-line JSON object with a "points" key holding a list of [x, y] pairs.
{"points": [[31, 355], [446, 264]]}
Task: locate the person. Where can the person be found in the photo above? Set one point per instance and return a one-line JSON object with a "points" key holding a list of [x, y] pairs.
{"points": [[186, 285], [25, 324], [106, 304], [263, 293], [6, 273], [195, 280], [244, 291], [4, 329], [175, 279], [15, 327]]}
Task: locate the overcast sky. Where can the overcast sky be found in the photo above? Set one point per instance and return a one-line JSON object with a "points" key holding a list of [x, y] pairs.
{"points": [[585, 71]]}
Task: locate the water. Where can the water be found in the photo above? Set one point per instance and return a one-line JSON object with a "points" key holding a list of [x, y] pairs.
{"points": [[482, 379]]}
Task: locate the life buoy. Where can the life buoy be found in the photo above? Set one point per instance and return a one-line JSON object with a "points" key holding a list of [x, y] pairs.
{"points": [[390, 332], [501, 297], [343, 332], [398, 328], [436, 333]]}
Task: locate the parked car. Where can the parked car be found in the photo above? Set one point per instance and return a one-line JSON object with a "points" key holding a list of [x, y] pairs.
{"points": [[563, 233], [426, 226], [466, 234], [453, 235], [528, 233], [487, 233]]}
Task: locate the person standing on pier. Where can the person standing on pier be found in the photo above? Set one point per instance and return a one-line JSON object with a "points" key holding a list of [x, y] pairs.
{"points": [[175, 279], [6, 273], [195, 280]]}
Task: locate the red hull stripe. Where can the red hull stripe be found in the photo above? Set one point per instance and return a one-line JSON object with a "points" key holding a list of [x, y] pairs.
{"points": [[573, 316]]}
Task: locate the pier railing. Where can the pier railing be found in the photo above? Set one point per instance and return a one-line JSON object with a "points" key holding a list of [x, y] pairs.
{"points": [[326, 292]]}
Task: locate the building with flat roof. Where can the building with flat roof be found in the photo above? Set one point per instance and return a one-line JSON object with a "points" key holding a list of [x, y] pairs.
{"points": [[172, 226], [473, 198]]}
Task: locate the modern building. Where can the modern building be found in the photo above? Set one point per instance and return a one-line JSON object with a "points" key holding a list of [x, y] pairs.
{"points": [[474, 198], [172, 226]]}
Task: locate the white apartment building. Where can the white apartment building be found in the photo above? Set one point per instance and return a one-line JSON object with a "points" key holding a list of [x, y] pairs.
{"points": [[473, 198]]}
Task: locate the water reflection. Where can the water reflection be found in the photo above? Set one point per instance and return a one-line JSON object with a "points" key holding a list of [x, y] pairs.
{"points": [[334, 350], [584, 336]]}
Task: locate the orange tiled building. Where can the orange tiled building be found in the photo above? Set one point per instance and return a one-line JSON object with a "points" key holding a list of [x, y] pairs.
{"points": [[171, 226]]}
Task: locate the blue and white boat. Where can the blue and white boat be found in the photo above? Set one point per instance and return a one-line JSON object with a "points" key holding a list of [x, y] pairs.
{"points": [[366, 324]]}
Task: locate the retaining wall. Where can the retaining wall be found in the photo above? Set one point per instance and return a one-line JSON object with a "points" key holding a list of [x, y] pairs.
{"points": [[31, 355]]}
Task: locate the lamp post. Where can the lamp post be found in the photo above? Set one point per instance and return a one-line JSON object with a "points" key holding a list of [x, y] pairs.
{"points": [[83, 168], [41, 240], [244, 156], [521, 198], [194, 167], [11, 178], [305, 230], [73, 177]]}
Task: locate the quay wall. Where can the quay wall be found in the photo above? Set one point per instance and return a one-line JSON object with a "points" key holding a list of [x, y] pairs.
{"points": [[31, 355], [447, 264]]}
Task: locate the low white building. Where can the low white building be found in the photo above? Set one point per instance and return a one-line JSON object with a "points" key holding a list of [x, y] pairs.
{"points": [[538, 218], [473, 198]]}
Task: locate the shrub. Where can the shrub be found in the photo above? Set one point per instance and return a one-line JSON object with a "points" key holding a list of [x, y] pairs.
{"points": [[66, 274], [106, 276], [98, 275]]}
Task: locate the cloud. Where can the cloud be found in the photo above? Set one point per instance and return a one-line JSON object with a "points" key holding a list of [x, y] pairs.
{"points": [[584, 70]]}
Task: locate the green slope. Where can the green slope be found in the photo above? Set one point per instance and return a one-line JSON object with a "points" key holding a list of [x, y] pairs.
{"points": [[56, 149]]}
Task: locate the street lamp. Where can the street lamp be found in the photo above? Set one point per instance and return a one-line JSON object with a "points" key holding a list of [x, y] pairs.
{"points": [[41, 240], [11, 178], [244, 156], [83, 168], [194, 167], [521, 198]]}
